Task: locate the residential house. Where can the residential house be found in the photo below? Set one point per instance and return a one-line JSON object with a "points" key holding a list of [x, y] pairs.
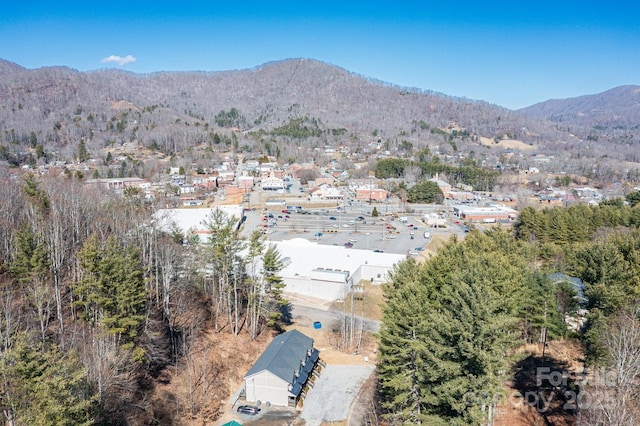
{"points": [[279, 375]]}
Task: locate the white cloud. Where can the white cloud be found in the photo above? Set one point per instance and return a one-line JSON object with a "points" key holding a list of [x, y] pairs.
{"points": [[120, 60]]}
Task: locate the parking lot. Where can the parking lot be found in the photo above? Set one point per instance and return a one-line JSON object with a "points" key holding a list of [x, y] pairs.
{"points": [[332, 227]]}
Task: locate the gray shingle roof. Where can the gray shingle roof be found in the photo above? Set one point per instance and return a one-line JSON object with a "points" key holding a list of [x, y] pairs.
{"points": [[283, 356]]}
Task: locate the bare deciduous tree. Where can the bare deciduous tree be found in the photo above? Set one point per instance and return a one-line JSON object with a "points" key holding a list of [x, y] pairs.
{"points": [[613, 391]]}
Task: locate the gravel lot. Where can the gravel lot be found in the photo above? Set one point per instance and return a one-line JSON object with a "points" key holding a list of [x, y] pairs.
{"points": [[333, 393]]}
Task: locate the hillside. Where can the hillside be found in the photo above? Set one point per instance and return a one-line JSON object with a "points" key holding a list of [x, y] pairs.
{"points": [[291, 109], [265, 97], [619, 106]]}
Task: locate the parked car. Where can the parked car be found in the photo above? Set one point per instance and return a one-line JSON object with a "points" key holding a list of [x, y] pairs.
{"points": [[378, 251], [252, 410], [332, 218]]}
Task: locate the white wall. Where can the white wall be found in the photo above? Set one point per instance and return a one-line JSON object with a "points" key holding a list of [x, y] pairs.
{"points": [[266, 387], [325, 290], [366, 272]]}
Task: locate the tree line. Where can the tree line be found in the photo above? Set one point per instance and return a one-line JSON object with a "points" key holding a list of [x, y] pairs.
{"points": [[451, 325], [97, 298], [481, 179]]}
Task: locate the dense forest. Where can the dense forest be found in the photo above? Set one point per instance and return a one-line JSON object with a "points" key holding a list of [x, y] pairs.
{"points": [[452, 325], [96, 300], [293, 109]]}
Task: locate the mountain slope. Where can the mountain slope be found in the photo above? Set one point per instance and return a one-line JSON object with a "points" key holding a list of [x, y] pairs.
{"points": [[292, 109], [265, 96], [619, 106], [7, 67]]}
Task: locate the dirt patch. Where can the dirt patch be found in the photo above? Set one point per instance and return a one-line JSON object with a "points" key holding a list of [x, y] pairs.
{"points": [[432, 247], [537, 394], [506, 144], [326, 341], [197, 390], [367, 304]]}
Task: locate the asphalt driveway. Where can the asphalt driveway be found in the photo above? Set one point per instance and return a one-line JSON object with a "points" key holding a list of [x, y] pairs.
{"points": [[333, 393]]}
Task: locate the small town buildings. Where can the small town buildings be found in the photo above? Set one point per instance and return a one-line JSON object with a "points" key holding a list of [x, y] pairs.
{"points": [[434, 220], [491, 213], [445, 187], [371, 194], [279, 375], [118, 183], [272, 183], [245, 182], [325, 192]]}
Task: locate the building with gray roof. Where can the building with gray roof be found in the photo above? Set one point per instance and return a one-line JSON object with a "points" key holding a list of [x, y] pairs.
{"points": [[280, 374]]}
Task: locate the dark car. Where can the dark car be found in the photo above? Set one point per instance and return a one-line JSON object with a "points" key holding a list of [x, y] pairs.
{"points": [[378, 251], [332, 218], [252, 410]]}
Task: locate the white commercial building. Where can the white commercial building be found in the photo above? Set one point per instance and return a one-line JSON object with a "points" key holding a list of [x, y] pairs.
{"points": [[328, 272], [194, 220], [272, 183]]}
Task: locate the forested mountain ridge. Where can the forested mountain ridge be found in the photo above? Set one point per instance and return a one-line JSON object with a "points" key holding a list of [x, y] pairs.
{"points": [[264, 96], [619, 107], [300, 104]]}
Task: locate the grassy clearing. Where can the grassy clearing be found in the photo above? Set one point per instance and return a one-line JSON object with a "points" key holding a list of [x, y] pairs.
{"points": [[367, 304]]}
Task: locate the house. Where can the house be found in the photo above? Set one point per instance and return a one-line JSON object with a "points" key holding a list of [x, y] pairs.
{"points": [[279, 375]]}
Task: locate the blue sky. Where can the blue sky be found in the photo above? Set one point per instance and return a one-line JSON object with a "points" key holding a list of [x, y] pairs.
{"points": [[511, 53]]}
